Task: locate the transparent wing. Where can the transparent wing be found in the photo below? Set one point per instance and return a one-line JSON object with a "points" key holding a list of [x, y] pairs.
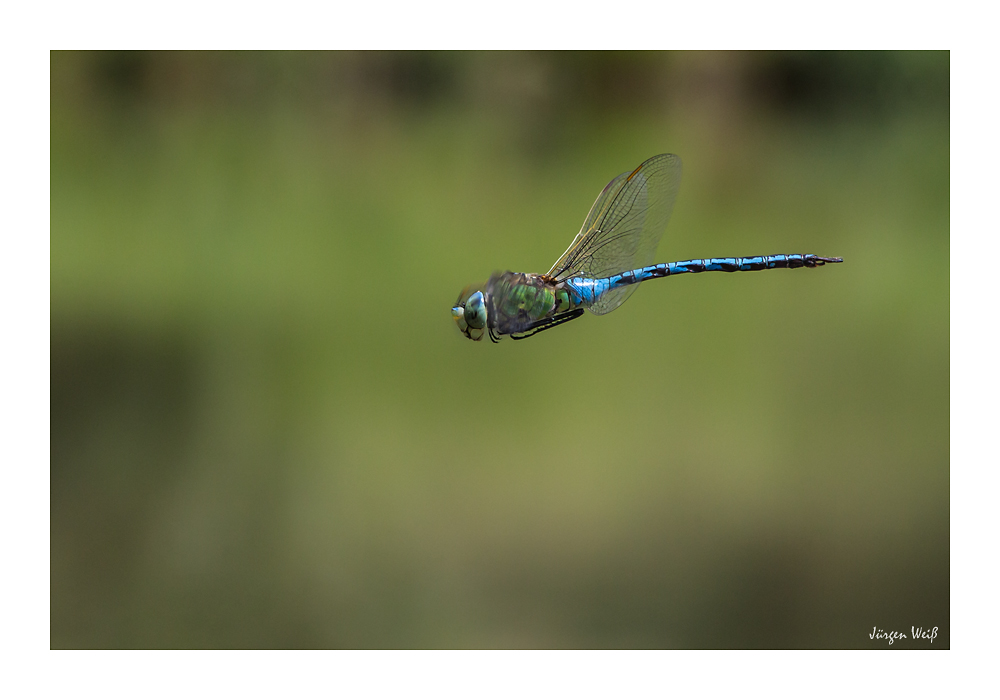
{"points": [[623, 228]]}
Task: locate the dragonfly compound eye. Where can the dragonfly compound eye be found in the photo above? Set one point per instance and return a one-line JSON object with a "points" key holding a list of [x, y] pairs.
{"points": [[475, 311]]}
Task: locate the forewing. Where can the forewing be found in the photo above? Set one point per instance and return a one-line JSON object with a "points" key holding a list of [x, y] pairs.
{"points": [[624, 227], [598, 209]]}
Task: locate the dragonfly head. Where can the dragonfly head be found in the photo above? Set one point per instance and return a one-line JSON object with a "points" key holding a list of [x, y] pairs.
{"points": [[470, 313]]}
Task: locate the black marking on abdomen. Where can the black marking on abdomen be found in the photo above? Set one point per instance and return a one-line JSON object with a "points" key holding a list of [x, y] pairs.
{"points": [[729, 267]]}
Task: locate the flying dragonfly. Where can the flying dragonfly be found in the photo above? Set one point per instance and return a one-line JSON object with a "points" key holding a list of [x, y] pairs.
{"points": [[610, 256]]}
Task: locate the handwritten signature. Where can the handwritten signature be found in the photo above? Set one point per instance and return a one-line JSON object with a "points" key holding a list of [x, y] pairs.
{"points": [[915, 633]]}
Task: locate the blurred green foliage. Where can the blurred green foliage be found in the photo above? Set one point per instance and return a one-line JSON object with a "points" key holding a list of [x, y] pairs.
{"points": [[267, 432]]}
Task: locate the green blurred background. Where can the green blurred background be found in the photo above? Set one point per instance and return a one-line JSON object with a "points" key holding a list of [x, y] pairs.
{"points": [[266, 430]]}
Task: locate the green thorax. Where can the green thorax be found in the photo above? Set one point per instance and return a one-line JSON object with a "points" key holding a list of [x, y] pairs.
{"points": [[520, 299]]}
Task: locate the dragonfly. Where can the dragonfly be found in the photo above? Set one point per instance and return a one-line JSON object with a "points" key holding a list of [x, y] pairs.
{"points": [[610, 256]]}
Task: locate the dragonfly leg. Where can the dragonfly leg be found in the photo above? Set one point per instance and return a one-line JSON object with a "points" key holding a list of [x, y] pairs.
{"points": [[547, 323]]}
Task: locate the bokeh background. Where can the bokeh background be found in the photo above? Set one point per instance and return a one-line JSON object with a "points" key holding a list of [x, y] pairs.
{"points": [[266, 430]]}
